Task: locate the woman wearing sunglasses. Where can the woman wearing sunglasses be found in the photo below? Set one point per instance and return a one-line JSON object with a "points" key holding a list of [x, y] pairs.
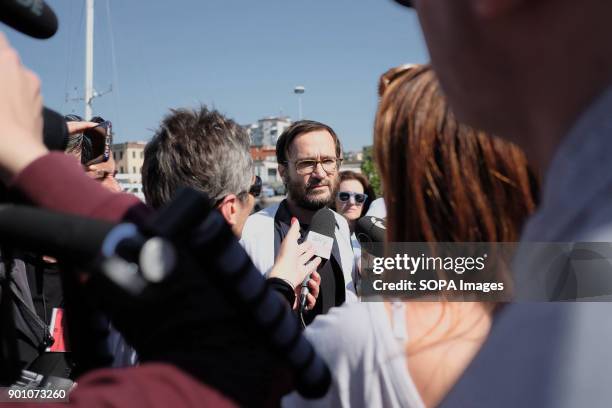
{"points": [[352, 202], [354, 197], [442, 182]]}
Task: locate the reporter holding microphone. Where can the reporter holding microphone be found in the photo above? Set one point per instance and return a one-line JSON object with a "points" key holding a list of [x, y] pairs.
{"points": [[25, 163], [20, 145], [295, 267]]}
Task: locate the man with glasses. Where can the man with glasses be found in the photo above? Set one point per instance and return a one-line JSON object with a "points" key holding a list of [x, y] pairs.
{"points": [[309, 155]]}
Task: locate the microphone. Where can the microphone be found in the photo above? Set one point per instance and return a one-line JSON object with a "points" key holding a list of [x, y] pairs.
{"points": [[371, 231], [31, 17], [55, 131], [321, 236], [81, 241], [52, 233], [214, 249]]}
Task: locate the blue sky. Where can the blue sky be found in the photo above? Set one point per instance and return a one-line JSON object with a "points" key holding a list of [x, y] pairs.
{"points": [[243, 57]]}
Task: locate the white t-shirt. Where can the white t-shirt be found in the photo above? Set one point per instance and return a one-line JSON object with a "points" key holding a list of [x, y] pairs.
{"points": [[366, 360]]}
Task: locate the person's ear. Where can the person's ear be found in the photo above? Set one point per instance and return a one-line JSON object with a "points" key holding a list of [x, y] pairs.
{"points": [[228, 208], [282, 171], [489, 9]]}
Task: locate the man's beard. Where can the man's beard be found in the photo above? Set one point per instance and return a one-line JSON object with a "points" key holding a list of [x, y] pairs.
{"points": [[306, 197]]}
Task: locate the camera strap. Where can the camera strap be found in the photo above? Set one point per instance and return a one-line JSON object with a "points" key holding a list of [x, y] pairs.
{"points": [[9, 353]]}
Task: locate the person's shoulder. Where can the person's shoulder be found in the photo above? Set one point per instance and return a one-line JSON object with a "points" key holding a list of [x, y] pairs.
{"points": [[377, 208], [348, 328], [349, 315], [339, 218], [342, 223], [268, 212], [260, 219], [257, 238]]}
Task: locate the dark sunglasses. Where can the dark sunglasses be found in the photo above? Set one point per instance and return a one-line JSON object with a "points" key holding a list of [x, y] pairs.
{"points": [[255, 189], [344, 196]]}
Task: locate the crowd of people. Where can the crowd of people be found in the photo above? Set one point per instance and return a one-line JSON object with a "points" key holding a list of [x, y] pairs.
{"points": [[502, 138]]}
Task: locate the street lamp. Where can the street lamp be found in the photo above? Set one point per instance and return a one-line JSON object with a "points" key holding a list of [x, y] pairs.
{"points": [[299, 90]]}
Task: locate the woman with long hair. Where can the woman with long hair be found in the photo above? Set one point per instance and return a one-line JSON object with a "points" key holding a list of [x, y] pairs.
{"points": [[443, 182]]}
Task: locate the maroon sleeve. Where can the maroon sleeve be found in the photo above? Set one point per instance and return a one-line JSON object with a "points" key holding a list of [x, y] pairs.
{"points": [[149, 385], [57, 182], [152, 385]]}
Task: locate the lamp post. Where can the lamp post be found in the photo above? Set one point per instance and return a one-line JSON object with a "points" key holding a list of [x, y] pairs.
{"points": [[299, 90]]}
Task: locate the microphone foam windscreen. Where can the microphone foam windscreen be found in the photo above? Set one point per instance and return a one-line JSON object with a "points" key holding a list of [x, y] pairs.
{"points": [[321, 232], [370, 229], [34, 18]]}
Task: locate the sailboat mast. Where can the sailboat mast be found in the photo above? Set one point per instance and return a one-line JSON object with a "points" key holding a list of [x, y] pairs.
{"points": [[89, 38]]}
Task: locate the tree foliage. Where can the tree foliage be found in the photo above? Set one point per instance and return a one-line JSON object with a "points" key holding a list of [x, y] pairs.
{"points": [[368, 168]]}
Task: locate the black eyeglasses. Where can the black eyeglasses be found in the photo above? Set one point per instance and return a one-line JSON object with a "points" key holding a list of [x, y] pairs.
{"points": [[308, 166], [255, 189], [346, 196]]}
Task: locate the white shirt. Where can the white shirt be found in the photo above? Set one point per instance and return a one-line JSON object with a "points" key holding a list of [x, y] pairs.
{"points": [[378, 208], [366, 358], [258, 241]]}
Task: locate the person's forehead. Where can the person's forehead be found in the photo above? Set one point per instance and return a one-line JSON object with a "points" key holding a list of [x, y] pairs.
{"points": [[351, 185], [318, 143]]}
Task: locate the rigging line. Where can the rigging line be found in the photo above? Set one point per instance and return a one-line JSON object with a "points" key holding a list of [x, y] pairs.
{"points": [[69, 62], [152, 88], [115, 83]]}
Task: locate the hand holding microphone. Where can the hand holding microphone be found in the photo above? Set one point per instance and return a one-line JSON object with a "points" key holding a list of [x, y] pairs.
{"points": [[321, 236], [295, 264]]}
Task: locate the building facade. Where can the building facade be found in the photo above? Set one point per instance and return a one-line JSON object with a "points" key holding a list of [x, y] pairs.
{"points": [[129, 157], [266, 167], [265, 132]]}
